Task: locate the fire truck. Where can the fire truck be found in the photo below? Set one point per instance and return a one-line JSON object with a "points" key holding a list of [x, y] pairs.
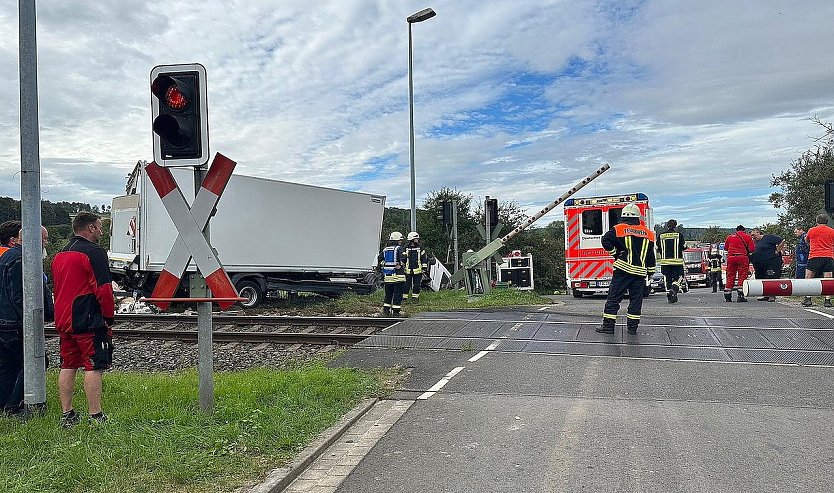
{"points": [[588, 267]]}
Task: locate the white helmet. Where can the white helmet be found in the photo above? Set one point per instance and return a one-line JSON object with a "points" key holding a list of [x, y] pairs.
{"points": [[631, 210], [395, 236], [413, 236]]}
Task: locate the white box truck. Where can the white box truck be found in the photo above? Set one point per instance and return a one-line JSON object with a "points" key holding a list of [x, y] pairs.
{"points": [[269, 235]]}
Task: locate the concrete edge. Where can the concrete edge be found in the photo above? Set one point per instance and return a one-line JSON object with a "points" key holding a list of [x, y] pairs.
{"points": [[280, 478]]}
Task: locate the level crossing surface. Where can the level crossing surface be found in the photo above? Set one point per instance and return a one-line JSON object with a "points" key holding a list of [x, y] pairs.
{"points": [[708, 396]]}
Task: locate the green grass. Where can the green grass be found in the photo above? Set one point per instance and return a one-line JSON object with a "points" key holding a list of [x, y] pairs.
{"points": [[158, 441], [430, 301]]}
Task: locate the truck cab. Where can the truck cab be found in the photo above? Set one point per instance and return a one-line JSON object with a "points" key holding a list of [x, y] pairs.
{"points": [[696, 265]]}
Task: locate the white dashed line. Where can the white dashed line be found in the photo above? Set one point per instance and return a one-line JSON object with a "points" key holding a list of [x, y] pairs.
{"points": [[439, 385], [819, 313], [484, 352]]}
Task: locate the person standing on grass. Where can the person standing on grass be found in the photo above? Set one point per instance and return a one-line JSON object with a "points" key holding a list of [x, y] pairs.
{"points": [[11, 315], [821, 254], [84, 312]]}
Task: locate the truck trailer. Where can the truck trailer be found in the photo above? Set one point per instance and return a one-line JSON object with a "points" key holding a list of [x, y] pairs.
{"points": [[269, 235], [588, 267]]}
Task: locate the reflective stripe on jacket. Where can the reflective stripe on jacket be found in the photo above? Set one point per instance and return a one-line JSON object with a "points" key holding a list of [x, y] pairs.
{"points": [[392, 262], [632, 247], [670, 247], [416, 260]]}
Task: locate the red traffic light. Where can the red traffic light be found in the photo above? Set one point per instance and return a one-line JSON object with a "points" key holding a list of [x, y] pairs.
{"points": [[169, 92]]}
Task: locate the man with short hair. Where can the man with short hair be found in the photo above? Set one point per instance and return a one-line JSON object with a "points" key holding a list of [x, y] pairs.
{"points": [[820, 255], [11, 315], [801, 252], [84, 311], [767, 257]]}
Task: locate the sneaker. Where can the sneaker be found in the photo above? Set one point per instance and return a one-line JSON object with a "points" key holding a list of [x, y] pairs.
{"points": [[728, 297], [605, 329], [741, 298], [70, 419], [828, 304], [771, 299], [97, 419]]}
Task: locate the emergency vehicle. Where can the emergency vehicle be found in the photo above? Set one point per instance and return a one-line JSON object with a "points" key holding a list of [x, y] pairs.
{"points": [[696, 265], [588, 267]]}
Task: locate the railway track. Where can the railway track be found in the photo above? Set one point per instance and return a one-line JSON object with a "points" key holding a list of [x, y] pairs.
{"points": [[333, 337]]}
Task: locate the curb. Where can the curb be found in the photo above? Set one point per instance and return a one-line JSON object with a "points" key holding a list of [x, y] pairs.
{"points": [[280, 478]]}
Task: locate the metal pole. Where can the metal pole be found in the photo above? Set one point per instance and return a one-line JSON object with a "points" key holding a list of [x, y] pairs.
{"points": [[411, 136], [34, 368], [488, 228], [455, 233], [205, 357]]}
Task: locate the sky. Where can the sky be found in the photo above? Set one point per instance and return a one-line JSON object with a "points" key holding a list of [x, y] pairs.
{"points": [[696, 104]]}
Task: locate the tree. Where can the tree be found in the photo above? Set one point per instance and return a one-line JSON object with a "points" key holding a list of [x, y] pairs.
{"points": [[714, 234], [802, 195]]}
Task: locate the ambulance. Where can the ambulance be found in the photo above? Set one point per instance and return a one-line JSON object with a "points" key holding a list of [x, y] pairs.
{"points": [[588, 267]]}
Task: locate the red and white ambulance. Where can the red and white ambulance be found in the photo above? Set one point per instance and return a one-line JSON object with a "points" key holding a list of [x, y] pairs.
{"points": [[588, 267]]}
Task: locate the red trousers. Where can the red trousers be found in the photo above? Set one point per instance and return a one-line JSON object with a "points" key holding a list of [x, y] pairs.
{"points": [[736, 264]]}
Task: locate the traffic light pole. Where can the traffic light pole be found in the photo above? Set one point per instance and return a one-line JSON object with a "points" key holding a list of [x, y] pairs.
{"points": [[205, 356], [34, 368]]}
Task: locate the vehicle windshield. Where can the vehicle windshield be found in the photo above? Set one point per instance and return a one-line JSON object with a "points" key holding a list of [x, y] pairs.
{"points": [[691, 257]]}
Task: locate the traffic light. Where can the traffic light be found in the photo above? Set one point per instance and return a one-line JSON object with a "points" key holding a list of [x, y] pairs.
{"points": [[829, 196], [492, 211], [180, 115], [445, 212]]}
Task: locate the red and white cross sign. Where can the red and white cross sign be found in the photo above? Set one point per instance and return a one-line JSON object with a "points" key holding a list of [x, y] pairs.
{"points": [[190, 222]]}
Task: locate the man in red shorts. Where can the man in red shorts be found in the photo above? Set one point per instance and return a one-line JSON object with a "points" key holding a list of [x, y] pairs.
{"points": [[821, 255], [84, 310], [739, 246]]}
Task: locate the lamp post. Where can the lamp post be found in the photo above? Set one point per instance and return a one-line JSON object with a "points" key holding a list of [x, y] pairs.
{"points": [[418, 17]]}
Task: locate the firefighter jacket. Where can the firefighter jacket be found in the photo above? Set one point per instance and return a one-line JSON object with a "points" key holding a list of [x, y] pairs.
{"points": [[632, 247], [715, 262], [416, 258], [83, 292], [11, 291], [670, 246], [392, 262]]}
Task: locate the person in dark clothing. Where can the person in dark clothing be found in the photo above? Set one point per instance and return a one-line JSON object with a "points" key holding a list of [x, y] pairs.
{"points": [[670, 245], [392, 262], [767, 257], [84, 312], [715, 261], [801, 252], [632, 246], [416, 262], [11, 316]]}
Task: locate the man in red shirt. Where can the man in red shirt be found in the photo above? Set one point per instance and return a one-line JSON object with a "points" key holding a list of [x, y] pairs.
{"points": [[820, 238], [84, 311], [738, 245]]}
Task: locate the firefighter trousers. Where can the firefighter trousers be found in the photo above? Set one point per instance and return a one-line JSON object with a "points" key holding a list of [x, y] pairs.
{"points": [[412, 283], [620, 283], [672, 273], [393, 296], [716, 281]]}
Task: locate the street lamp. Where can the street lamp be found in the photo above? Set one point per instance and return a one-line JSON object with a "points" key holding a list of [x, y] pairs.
{"points": [[418, 17]]}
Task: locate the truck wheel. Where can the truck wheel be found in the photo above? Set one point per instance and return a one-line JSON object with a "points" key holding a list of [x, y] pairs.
{"points": [[250, 290], [576, 294]]}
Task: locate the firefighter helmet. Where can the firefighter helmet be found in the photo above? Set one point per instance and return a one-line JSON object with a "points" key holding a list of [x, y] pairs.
{"points": [[413, 236], [631, 210], [395, 236]]}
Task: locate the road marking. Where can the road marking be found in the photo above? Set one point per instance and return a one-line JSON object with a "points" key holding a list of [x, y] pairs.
{"points": [[543, 308], [819, 313], [483, 353], [440, 384]]}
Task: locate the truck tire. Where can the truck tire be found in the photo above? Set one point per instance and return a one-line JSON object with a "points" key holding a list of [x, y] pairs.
{"points": [[576, 294], [251, 290]]}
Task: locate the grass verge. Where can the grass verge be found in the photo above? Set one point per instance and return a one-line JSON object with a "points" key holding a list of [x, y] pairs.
{"points": [[430, 301], [157, 440]]}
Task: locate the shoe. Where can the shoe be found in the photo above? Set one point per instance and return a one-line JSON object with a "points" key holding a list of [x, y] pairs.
{"points": [[763, 298], [741, 299], [632, 330], [807, 302], [771, 299], [386, 312], [605, 329], [728, 297], [714, 290], [97, 419], [70, 419], [828, 304]]}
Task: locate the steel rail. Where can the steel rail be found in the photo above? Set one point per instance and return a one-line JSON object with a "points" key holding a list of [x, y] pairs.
{"points": [[226, 336], [262, 320]]}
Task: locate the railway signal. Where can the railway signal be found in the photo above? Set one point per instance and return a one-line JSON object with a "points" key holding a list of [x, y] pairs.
{"points": [[179, 107]]}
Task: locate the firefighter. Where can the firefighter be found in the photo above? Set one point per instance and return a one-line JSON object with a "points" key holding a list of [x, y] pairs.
{"points": [[416, 263], [670, 258], [392, 262], [739, 245], [715, 261], [632, 246]]}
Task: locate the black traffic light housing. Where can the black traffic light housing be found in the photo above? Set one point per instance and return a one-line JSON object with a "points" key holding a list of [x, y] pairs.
{"points": [[445, 212], [180, 115], [492, 211], [829, 196]]}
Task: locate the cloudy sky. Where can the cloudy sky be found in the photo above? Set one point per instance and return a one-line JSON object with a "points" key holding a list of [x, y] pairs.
{"points": [[696, 104]]}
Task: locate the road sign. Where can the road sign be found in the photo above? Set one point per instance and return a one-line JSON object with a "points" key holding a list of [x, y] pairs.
{"points": [[190, 223]]}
